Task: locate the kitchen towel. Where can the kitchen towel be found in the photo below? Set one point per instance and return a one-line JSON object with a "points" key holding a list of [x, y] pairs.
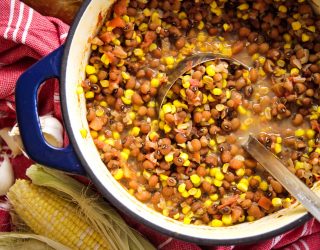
{"points": [[25, 37]]}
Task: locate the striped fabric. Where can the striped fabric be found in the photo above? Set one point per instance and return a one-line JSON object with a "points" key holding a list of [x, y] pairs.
{"points": [[25, 37]]}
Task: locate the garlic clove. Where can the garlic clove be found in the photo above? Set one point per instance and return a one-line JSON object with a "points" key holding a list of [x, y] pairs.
{"points": [[52, 130], [6, 175], [10, 141]]}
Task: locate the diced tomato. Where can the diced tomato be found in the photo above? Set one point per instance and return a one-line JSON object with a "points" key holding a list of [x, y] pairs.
{"points": [[107, 37], [119, 52], [228, 201], [149, 37], [265, 203], [96, 124], [117, 22], [110, 56], [120, 8]]}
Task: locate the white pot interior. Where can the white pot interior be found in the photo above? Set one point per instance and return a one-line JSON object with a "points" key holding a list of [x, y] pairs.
{"points": [[75, 106]]}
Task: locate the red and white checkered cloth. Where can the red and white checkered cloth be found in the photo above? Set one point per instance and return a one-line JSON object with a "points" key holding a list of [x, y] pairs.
{"points": [[25, 37]]}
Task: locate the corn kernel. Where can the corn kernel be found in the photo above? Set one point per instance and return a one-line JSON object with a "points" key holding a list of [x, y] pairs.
{"points": [[185, 194], [310, 133], [243, 6], [217, 11], [263, 185], [169, 60], [216, 223], [90, 70], [227, 219], [186, 84], [281, 63], [89, 94], [124, 154], [294, 72], [201, 25], [166, 128], [151, 104], [240, 172], [195, 179], [165, 212], [186, 209], [311, 143], [208, 203], [283, 9], [219, 176], [312, 28], [169, 157], [126, 100], [186, 163], [217, 183], [93, 79], [138, 52], [182, 15], [242, 218], [184, 156], [214, 197], [287, 37], [210, 70], [104, 83], [276, 202], [83, 132], [213, 171], [79, 90], [182, 187], [163, 177], [94, 134], [299, 132], [197, 195], [317, 150], [187, 220], [176, 216], [226, 26], [305, 37], [155, 82], [299, 165], [296, 25], [135, 131], [99, 112], [125, 75], [242, 187], [118, 175], [277, 148], [250, 218], [217, 91], [192, 191], [242, 110], [105, 59], [257, 177]]}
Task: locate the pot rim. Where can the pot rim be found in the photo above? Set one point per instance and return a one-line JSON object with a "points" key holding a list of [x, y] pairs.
{"points": [[110, 197]]}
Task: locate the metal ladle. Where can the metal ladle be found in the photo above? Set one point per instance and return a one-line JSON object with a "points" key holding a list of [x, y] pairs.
{"points": [[267, 159]]}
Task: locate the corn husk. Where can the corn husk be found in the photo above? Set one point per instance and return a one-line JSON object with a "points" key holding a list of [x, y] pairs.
{"points": [[98, 212], [27, 241]]}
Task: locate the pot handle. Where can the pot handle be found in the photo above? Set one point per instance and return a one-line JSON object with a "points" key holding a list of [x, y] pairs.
{"points": [[28, 119]]}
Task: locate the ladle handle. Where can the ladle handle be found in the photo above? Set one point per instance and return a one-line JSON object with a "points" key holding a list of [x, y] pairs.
{"points": [[289, 181]]}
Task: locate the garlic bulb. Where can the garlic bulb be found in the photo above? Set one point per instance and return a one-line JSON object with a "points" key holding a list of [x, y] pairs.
{"points": [[6, 175]]}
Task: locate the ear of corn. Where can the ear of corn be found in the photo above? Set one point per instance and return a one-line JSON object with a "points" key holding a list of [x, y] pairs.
{"points": [[99, 214], [48, 214]]}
